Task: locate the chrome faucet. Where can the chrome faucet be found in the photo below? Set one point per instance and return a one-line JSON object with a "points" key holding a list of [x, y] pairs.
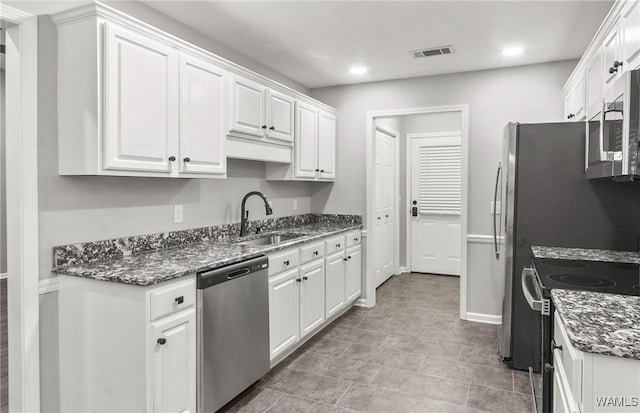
{"points": [[245, 213]]}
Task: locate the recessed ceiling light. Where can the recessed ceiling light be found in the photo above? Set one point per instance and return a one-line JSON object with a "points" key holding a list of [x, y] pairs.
{"points": [[358, 70], [512, 51]]}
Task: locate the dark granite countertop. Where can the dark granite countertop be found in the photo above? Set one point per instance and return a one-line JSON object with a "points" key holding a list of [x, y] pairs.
{"points": [[607, 324], [582, 254], [166, 264]]}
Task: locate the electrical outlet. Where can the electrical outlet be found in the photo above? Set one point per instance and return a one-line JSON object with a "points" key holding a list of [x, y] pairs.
{"points": [[295, 204], [178, 214], [498, 207]]}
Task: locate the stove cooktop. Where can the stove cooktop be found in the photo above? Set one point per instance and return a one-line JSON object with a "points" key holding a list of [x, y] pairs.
{"points": [[603, 277]]}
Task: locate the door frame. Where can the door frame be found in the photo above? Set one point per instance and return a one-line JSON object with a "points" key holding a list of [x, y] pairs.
{"points": [[370, 292], [22, 209], [396, 196], [407, 172]]}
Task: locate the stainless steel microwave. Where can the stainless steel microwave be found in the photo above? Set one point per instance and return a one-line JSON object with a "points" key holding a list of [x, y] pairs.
{"points": [[612, 135]]}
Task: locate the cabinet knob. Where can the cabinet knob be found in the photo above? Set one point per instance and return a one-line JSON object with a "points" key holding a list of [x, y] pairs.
{"points": [[180, 299], [305, 278], [344, 259], [264, 126], [616, 64], [321, 170], [162, 341], [355, 239], [317, 170], [554, 346], [613, 69], [286, 262], [548, 367], [338, 245], [349, 257], [187, 159], [172, 158], [315, 253], [272, 128], [298, 280], [379, 217]]}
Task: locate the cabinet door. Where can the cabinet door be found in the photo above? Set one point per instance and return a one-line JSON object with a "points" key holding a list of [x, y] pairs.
{"points": [[353, 278], [631, 35], [284, 311], [578, 100], [327, 145], [593, 86], [311, 297], [335, 267], [141, 102], [306, 141], [173, 363], [280, 110], [248, 107], [202, 108], [611, 54], [568, 105]]}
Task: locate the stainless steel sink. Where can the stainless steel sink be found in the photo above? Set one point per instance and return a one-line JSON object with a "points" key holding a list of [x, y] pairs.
{"points": [[270, 239]]}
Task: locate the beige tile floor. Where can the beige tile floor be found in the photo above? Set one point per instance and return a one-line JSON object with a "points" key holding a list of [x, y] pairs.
{"points": [[409, 353]]}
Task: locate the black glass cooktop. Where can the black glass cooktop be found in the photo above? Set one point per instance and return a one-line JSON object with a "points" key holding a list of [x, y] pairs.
{"points": [[603, 277]]}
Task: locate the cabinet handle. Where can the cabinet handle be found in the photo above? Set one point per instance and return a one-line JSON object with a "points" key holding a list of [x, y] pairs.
{"points": [[180, 299], [272, 128], [172, 158], [616, 64], [305, 278], [162, 341], [317, 170], [322, 171], [554, 346], [338, 245], [548, 367], [379, 218], [298, 280], [386, 216], [344, 259], [187, 159], [613, 70], [349, 257], [315, 253], [264, 126], [355, 239], [286, 262]]}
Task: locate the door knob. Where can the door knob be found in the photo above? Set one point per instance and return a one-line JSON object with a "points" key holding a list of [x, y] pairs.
{"points": [[414, 211]]}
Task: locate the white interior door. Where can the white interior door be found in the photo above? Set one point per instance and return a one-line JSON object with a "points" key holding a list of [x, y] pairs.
{"points": [[436, 203], [384, 230]]}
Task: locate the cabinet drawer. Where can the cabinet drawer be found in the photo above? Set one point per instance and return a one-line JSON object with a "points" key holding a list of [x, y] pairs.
{"points": [[571, 358], [335, 244], [283, 261], [311, 252], [172, 298], [354, 238]]}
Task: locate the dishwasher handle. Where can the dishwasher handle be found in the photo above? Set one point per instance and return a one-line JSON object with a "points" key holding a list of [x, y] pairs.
{"points": [[209, 278]]}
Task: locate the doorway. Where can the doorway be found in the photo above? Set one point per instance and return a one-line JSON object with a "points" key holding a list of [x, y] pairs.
{"points": [[436, 138]]}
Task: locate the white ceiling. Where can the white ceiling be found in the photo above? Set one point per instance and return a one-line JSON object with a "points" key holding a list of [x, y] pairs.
{"points": [[316, 42]]}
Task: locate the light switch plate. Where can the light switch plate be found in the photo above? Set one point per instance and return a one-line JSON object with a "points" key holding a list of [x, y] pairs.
{"points": [[178, 214], [295, 204]]}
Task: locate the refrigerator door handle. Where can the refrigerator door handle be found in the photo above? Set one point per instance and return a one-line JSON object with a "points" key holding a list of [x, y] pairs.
{"points": [[495, 203]]}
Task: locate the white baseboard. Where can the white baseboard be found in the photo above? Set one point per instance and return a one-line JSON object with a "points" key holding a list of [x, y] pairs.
{"points": [[360, 302], [484, 318], [3, 276], [49, 285], [402, 270]]}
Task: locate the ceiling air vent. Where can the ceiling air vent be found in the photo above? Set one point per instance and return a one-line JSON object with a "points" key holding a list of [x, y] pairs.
{"points": [[434, 51]]}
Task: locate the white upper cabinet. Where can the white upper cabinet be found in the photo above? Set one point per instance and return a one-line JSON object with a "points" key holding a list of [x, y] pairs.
{"points": [[593, 85], [306, 155], [202, 111], [141, 114], [136, 101], [280, 116], [612, 57], [248, 107], [630, 27], [260, 112], [326, 145]]}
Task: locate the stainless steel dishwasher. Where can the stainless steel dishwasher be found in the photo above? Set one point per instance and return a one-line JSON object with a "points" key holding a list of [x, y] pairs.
{"points": [[233, 331]]}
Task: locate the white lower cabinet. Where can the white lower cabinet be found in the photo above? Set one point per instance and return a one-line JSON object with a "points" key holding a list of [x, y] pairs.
{"points": [[173, 363], [127, 348], [335, 264], [307, 289], [588, 382], [284, 314]]}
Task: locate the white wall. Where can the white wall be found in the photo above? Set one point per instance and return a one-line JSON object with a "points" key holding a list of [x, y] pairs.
{"points": [[530, 93], [3, 190]]}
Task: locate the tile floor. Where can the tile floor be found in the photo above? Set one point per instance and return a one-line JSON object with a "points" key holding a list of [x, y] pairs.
{"points": [[409, 353]]}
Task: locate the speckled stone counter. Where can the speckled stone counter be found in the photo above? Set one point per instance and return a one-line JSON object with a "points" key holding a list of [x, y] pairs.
{"points": [[607, 324], [156, 266], [582, 254]]}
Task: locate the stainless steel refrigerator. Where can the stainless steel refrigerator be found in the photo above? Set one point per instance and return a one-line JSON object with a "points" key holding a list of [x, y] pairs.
{"points": [[546, 200]]}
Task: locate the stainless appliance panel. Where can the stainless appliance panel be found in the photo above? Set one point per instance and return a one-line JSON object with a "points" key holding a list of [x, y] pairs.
{"points": [[233, 331]]}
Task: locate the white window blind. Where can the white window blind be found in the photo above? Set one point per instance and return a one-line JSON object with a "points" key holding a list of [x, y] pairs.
{"points": [[440, 179]]}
